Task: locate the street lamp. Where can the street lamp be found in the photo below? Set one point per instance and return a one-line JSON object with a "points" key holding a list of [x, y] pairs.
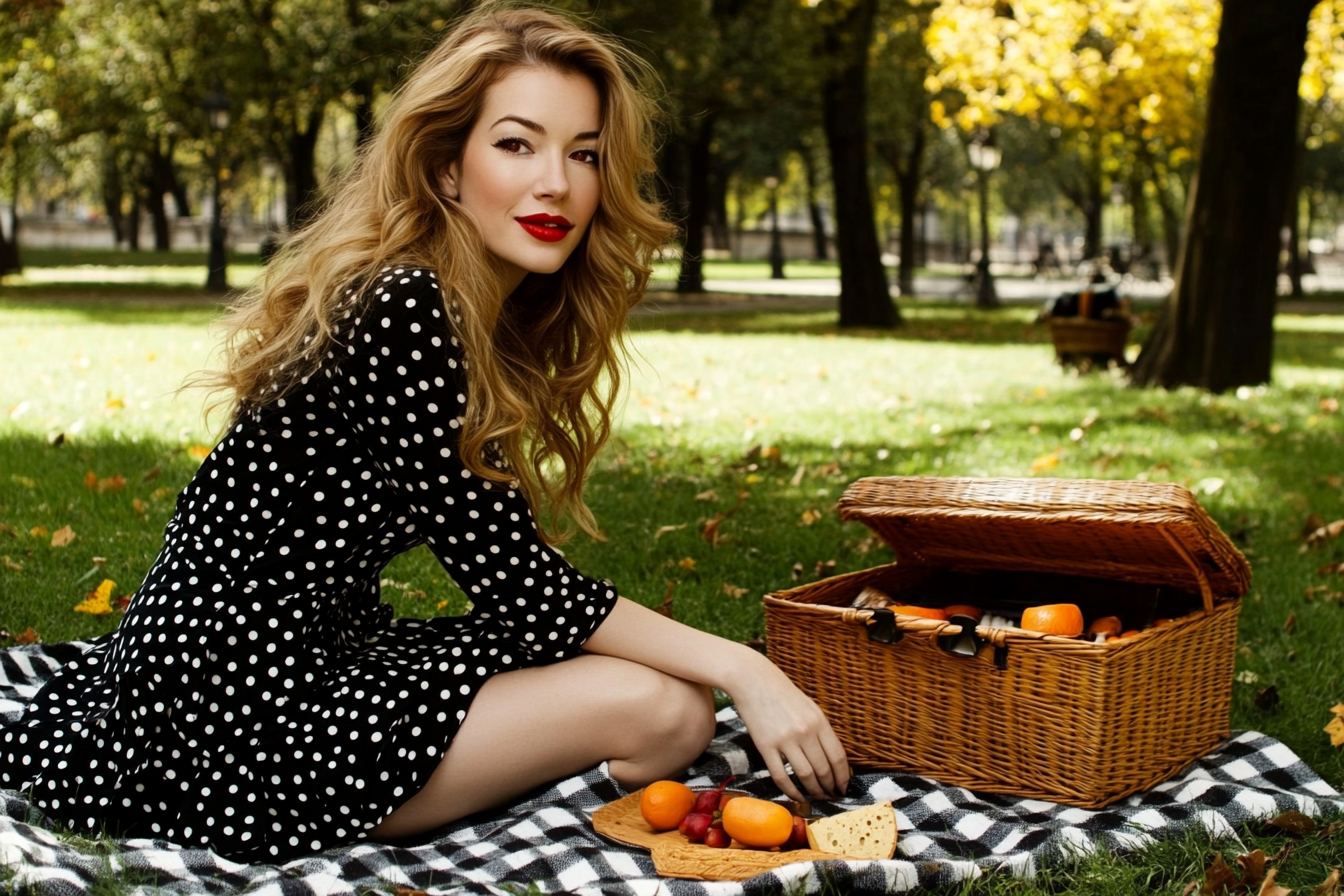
{"points": [[776, 246], [984, 159], [216, 108]]}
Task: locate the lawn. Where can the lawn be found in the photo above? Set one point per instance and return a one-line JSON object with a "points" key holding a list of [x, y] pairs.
{"points": [[764, 419]]}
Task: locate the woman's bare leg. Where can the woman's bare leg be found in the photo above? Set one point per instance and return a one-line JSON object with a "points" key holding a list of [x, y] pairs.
{"points": [[540, 724]]}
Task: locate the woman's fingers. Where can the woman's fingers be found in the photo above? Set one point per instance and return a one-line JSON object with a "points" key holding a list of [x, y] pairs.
{"points": [[775, 763]]}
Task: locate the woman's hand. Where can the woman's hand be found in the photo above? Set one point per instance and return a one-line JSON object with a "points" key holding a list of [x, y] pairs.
{"points": [[787, 726], [783, 721]]}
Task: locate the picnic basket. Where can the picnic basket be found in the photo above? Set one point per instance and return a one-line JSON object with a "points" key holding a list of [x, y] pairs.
{"points": [[1027, 714], [1081, 337]]}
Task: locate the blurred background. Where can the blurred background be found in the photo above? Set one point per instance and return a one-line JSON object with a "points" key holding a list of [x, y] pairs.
{"points": [[924, 147]]}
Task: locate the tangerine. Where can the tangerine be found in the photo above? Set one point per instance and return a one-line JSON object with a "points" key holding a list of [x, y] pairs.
{"points": [[964, 610], [1106, 625], [758, 823], [665, 803], [1054, 619], [921, 612]]}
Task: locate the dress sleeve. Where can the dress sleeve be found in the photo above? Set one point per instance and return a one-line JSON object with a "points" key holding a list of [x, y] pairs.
{"points": [[401, 385]]}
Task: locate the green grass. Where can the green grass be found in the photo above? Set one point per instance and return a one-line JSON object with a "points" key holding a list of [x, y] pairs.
{"points": [[955, 392]]}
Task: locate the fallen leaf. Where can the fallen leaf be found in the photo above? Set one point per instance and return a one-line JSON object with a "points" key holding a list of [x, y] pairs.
{"points": [[1290, 623], [1218, 878], [112, 483], [830, 469], [809, 517], [38, 532], [62, 537], [25, 481], [403, 890], [710, 530], [1313, 522], [1267, 699], [11, 564], [733, 591], [442, 605], [139, 506], [1269, 888], [1293, 823], [771, 454], [90, 479], [115, 403], [122, 602], [160, 493], [1330, 405], [707, 495], [151, 473], [1045, 462], [797, 572], [1321, 535], [663, 530], [824, 567], [686, 563], [665, 608], [29, 636], [1336, 731], [798, 475], [1331, 569], [200, 452], [99, 601], [1252, 867], [9, 530], [1329, 886]]}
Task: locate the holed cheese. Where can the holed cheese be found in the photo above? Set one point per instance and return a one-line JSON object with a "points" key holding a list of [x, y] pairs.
{"points": [[867, 833]]}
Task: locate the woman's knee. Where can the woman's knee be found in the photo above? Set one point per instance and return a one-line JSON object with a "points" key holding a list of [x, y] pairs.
{"points": [[677, 716]]}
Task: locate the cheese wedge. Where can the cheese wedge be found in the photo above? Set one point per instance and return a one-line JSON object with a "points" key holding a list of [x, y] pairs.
{"points": [[867, 833]]}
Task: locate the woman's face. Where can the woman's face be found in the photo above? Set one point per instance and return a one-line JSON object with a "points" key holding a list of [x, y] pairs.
{"points": [[528, 172]]}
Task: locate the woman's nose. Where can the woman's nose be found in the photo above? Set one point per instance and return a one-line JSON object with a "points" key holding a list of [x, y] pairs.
{"points": [[553, 179]]}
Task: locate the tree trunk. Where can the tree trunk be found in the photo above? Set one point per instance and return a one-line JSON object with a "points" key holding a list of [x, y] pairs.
{"points": [[1216, 330], [1292, 222], [300, 177], [907, 180], [717, 211], [865, 298], [821, 251], [133, 220], [691, 277], [158, 181], [11, 261]]}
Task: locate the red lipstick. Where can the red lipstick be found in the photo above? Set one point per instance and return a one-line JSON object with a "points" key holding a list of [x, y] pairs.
{"points": [[547, 228]]}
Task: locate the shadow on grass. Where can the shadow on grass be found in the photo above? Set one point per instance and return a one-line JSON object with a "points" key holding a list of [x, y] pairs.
{"points": [[59, 258], [169, 306]]}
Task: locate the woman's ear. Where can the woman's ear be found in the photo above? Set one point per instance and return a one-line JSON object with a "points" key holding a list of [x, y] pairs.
{"points": [[448, 180]]}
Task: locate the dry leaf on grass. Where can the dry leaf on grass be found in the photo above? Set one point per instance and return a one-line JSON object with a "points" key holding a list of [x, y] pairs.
{"points": [[1269, 888], [140, 507], [62, 537], [29, 636], [151, 473], [665, 608], [38, 532], [1321, 535], [99, 601], [9, 530], [663, 530], [1293, 823], [810, 516], [11, 564], [200, 452], [798, 475], [797, 572], [1252, 866], [1329, 886], [1044, 462], [1218, 878], [707, 495], [686, 563], [733, 591], [1336, 727]]}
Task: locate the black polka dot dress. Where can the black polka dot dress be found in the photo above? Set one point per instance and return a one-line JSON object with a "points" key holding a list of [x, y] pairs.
{"points": [[257, 698]]}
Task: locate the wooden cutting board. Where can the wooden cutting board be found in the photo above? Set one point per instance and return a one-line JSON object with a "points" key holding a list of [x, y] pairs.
{"points": [[673, 856]]}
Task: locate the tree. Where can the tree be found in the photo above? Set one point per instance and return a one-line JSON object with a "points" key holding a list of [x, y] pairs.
{"points": [[1216, 330], [846, 33]]}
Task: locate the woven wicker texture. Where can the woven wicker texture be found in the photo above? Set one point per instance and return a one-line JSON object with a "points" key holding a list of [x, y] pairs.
{"points": [[673, 856], [1032, 715], [1135, 531], [1085, 336]]}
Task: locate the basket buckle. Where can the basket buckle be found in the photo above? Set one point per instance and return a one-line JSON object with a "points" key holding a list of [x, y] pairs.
{"points": [[966, 643], [881, 627]]}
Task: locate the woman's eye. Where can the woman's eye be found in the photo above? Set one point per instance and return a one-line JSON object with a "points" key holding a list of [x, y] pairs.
{"points": [[511, 144], [586, 155]]}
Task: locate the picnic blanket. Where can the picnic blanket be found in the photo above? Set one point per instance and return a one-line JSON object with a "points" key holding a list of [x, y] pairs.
{"points": [[947, 834]]}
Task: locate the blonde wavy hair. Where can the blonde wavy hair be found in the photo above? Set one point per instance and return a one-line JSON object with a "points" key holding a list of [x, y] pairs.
{"points": [[546, 363]]}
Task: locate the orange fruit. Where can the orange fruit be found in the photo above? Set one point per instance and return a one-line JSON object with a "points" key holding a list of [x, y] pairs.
{"points": [[1106, 625], [1054, 619], [665, 803], [759, 823], [964, 610], [922, 612]]}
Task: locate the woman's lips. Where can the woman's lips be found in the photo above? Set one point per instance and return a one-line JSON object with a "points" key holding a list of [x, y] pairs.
{"points": [[547, 228]]}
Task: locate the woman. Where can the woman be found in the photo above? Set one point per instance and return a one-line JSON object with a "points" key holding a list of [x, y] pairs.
{"points": [[436, 356]]}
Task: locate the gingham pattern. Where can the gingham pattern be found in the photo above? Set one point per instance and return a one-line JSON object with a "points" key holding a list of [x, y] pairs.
{"points": [[947, 834]]}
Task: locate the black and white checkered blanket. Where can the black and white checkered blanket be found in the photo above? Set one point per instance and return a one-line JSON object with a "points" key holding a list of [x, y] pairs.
{"points": [[947, 834]]}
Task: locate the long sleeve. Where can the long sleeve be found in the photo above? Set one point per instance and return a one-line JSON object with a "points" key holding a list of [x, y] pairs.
{"points": [[402, 388]]}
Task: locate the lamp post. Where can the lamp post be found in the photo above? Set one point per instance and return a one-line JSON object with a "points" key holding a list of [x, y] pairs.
{"points": [[776, 245], [984, 159], [216, 108]]}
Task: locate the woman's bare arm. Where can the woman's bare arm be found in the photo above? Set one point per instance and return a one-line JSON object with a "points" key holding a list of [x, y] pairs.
{"points": [[783, 721]]}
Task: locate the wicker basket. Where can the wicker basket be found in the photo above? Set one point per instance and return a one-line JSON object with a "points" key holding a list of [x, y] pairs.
{"points": [[1027, 714], [1080, 337]]}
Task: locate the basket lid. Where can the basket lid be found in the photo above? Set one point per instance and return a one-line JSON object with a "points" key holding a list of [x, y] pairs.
{"points": [[1148, 532]]}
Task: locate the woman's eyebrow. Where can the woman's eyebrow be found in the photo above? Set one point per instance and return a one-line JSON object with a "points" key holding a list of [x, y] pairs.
{"points": [[534, 126]]}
